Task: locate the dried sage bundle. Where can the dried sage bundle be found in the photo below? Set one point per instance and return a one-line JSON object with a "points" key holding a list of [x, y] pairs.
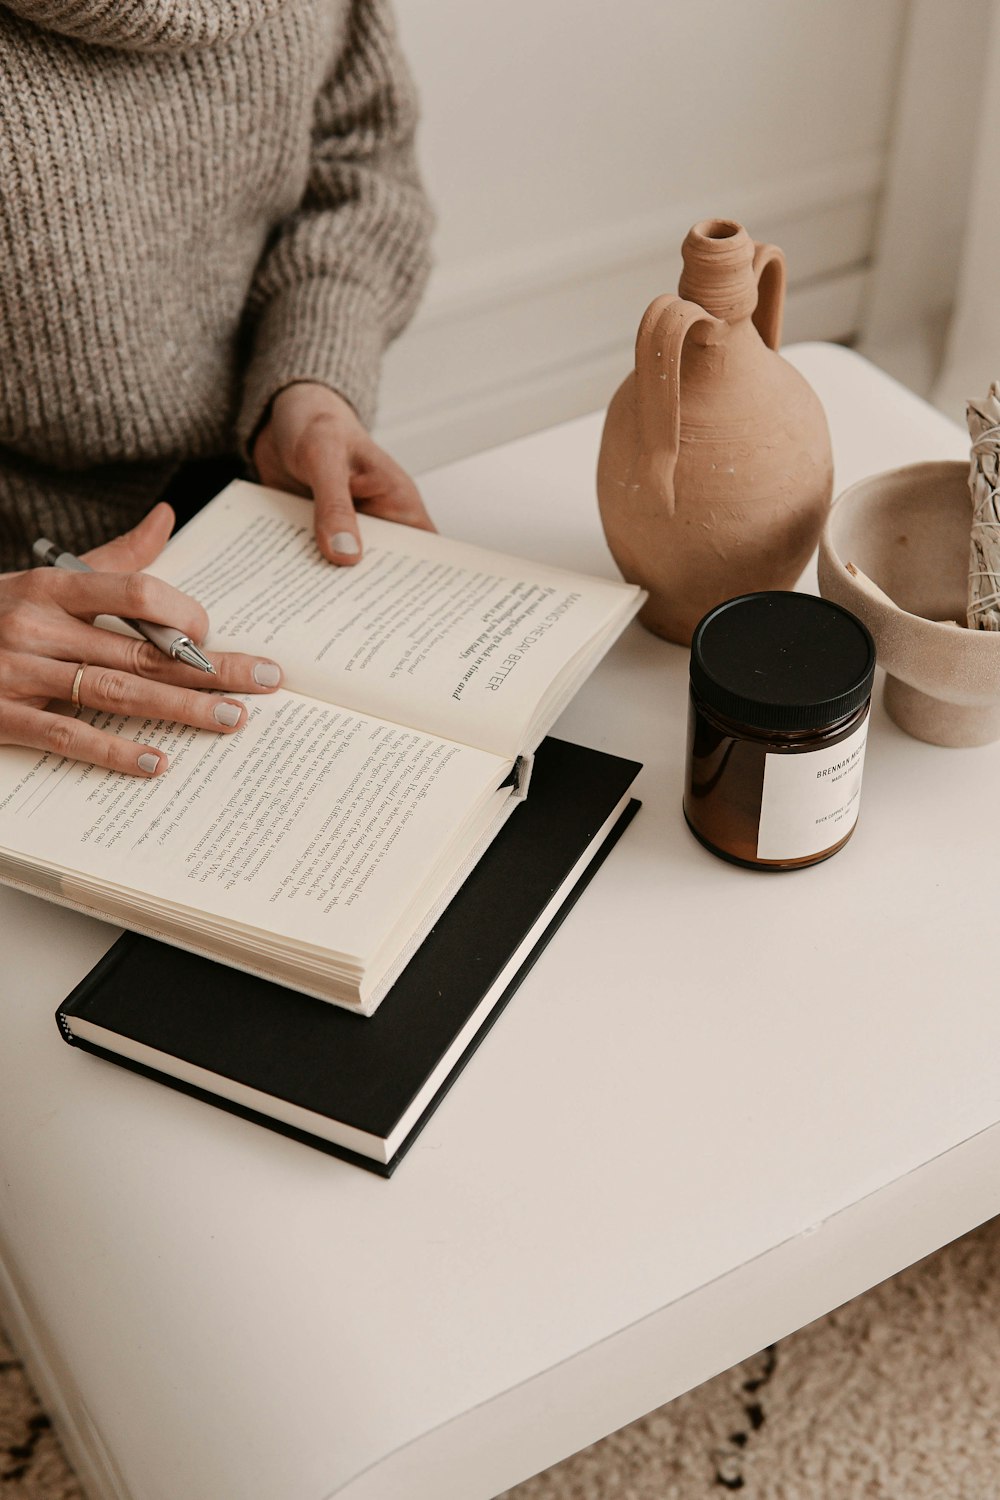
{"points": [[984, 482]]}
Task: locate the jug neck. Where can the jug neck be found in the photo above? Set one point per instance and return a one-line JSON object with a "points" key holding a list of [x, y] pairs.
{"points": [[718, 270]]}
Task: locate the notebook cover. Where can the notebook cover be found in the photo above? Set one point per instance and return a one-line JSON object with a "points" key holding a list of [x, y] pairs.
{"points": [[364, 1071]]}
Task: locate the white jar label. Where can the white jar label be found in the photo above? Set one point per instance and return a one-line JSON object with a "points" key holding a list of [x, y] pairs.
{"points": [[810, 800]]}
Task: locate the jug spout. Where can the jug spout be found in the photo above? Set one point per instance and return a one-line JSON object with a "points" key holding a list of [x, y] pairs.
{"points": [[718, 269], [733, 277]]}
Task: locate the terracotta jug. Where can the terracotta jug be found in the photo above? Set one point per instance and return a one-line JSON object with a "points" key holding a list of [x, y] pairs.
{"points": [[715, 473]]}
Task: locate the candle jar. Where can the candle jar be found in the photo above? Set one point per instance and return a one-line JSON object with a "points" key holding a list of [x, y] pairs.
{"points": [[780, 692]]}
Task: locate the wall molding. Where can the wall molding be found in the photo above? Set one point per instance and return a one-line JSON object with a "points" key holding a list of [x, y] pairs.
{"points": [[488, 281], [506, 344]]}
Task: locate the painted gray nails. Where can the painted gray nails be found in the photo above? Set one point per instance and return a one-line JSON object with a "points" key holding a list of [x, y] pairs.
{"points": [[346, 543], [266, 674], [149, 763], [227, 713]]}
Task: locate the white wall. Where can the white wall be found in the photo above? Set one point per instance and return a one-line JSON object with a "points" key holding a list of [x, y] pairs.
{"points": [[570, 144], [971, 353], [941, 108]]}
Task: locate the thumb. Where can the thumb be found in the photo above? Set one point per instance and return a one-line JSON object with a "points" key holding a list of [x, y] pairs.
{"points": [[136, 548], [336, 519]]}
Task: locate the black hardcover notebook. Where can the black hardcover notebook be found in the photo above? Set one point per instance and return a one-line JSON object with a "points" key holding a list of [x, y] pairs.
{"points": [[362, 1087]]}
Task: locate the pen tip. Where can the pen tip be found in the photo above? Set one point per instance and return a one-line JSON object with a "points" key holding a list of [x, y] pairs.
{"points": [[188, 653]]}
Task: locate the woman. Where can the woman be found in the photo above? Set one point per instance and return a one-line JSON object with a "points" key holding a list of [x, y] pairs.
{"points": [[210, 226]]}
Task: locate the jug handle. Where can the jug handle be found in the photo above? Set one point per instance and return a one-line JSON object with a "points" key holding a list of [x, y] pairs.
{"points": [[769, 274], [665, 325]]}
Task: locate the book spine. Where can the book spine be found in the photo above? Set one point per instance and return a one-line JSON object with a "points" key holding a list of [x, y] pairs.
{"points": [[76, 1001]]}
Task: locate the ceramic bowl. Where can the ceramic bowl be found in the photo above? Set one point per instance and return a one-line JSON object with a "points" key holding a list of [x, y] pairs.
{"points": [[895, 551]]}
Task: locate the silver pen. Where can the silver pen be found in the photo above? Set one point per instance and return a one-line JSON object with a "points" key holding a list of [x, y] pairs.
{"points": [[173, 643]]}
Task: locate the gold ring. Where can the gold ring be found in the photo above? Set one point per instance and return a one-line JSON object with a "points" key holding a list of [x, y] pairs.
{"points": [[75, 694]]}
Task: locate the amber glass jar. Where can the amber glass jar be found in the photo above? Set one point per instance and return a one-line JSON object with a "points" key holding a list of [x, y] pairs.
{"points": [[780, 692]]}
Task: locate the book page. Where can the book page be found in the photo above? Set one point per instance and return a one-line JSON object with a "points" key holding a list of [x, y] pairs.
{"points": [[312, 822], [453, 639]]}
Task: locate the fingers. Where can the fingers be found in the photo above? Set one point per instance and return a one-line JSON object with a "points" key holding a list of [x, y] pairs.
{"points": [[325, 467], [342, 477], [136, 548], [117, 692], [31, 629], [103, 688], [130, 596], [46, 633], [314, 442], [234, 671], [64, 639], [308, 444], [382, 488], [77, 740]]}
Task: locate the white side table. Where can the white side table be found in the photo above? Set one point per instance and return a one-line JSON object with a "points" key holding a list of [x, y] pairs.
{"points": [[721, 1104]]}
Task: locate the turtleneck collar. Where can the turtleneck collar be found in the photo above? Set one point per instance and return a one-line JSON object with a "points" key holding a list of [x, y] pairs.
{"points": [[148, 25]]}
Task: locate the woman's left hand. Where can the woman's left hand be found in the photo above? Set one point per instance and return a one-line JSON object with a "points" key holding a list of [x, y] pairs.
{"points": [[313, 443]]}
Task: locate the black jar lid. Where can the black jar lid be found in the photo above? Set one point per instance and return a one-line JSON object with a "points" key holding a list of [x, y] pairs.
{"points": [[782, 661]]}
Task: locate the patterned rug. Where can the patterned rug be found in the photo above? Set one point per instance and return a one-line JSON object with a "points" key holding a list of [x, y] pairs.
{"points": [[895, 1396], [32, 1466]]}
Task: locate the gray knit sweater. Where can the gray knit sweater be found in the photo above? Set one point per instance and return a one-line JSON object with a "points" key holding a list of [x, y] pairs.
{"points": [[201, 201]]}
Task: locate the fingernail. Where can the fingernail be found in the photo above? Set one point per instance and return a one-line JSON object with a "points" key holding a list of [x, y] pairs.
{"points": [[266, 674], [346, 543], [227, 713], [149, 763]]}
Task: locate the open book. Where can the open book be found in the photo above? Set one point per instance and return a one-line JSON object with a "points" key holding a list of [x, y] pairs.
{"points": [[318, 845]]}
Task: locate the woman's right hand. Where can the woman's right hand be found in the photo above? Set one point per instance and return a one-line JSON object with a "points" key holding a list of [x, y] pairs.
{"points": [[47, 633]]}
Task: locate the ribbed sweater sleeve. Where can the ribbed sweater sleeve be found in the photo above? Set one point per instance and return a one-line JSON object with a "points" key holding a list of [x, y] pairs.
{"points": [[343, 275], [147, 25]]}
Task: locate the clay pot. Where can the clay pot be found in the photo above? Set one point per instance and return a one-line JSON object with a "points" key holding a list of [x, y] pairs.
{"points": [[895, 552], [715, 472]]}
